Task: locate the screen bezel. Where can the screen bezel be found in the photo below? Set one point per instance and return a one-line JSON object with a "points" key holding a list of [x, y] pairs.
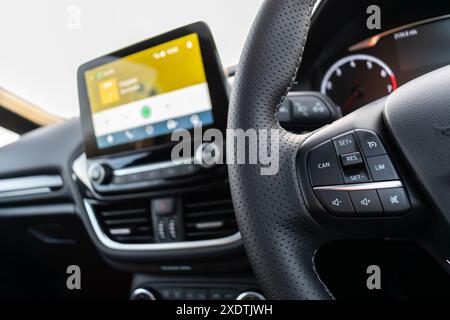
{"points": [[215, 77]]}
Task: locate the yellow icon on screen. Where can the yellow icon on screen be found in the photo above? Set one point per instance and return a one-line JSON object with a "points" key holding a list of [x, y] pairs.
{"points": [[109, 92]]}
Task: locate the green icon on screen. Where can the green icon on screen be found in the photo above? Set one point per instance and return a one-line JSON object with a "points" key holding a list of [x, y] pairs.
{"points": [[146, 112]]}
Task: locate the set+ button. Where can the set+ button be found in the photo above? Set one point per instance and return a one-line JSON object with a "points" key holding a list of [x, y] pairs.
{"points": [[345, 144]]}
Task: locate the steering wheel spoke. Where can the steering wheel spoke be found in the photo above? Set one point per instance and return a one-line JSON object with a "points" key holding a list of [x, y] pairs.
{"points": [[353, 181]]}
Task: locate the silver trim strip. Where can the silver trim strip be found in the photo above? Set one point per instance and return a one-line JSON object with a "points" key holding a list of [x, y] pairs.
{"points": [[143, 291], [107, 242], [120, 232], [363, 186], [27, 192], [30, 182], [80, 169], [209, 225], [152, 167], [250, 295]]}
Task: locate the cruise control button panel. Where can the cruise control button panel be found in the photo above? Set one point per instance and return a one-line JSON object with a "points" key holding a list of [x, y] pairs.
{"points": [[353, 176]]}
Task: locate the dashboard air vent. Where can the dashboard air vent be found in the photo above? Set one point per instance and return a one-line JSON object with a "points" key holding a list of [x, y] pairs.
{"points": [[209, 215], [126, 222]]}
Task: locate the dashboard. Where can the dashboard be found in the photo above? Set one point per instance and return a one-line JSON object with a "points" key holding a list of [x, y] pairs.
{"points": [[171, 226], [377, 66]]}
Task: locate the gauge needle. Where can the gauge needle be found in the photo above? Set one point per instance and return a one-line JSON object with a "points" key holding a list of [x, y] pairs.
{"points": [[357, 92]]}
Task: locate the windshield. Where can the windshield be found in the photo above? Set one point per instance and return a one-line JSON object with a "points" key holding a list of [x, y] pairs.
{"points": [[44, 42]]}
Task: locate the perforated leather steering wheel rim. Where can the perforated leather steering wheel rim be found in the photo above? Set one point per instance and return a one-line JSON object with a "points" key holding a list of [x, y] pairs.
{"points": [[280, 236]]}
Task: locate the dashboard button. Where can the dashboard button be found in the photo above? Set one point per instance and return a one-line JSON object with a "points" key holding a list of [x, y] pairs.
{"points": [[394, 201], [222, 294], [161, 229], [178, 293], [323, 166], [120, 179], [381, 168], [152, 175], [163, 206], [351, 159], [134, 177], [284, 111], [345, 144], [336, 202], [370, 143], [356, 175], [366, 203], [309, 110], [196, 294], [166, 293]]}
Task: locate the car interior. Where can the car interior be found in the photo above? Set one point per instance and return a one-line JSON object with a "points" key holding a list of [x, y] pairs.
{"points": [[362, 181]]}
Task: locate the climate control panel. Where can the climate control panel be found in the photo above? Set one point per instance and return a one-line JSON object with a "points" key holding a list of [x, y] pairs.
{"points": [[352, 175]]}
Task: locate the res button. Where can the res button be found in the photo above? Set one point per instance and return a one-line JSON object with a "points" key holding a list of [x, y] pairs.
{"points": [[323, 166], [284, 112], [351, 159]]}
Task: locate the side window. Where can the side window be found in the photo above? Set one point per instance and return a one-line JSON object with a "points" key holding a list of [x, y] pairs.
{"points": [[7, 137]]}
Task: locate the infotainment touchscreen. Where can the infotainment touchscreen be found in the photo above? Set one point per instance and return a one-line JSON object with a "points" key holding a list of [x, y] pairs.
{"points": [[138, 95]]}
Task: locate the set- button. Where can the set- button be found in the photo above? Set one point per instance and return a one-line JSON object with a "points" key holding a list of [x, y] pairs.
{"points": [[345, 144]]}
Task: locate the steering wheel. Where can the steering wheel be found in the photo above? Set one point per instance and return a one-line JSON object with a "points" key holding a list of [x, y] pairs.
{"points": [[382, 171]]}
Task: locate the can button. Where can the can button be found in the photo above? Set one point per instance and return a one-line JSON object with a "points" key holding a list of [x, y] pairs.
{"points": [[323, 166]]}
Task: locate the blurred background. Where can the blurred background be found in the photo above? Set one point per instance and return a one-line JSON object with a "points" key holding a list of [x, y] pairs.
{"points": [[44, 42]]}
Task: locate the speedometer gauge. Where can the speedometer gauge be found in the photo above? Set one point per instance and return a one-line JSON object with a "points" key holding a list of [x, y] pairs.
{"points": [[356, 80]]}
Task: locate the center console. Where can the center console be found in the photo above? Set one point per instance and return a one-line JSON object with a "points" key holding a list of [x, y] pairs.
{"points": [[145, 210]]}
